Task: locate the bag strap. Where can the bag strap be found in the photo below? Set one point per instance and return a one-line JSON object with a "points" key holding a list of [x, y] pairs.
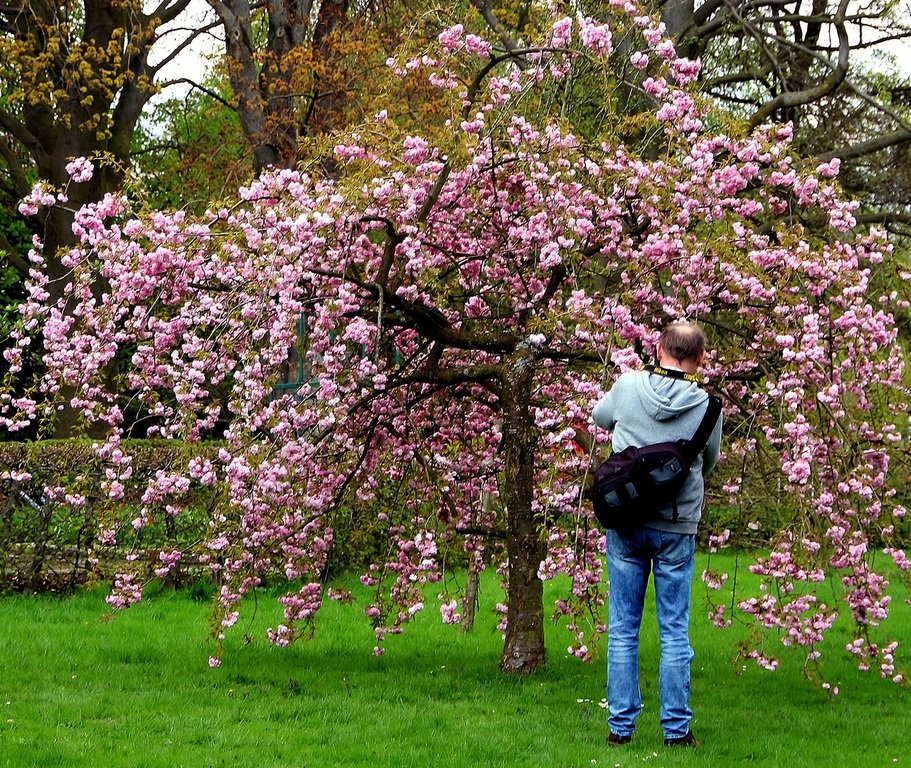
{"points": [[697, 443]]}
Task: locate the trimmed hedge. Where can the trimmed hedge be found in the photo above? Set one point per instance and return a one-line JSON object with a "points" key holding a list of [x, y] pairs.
{"points": [[50, 544]]}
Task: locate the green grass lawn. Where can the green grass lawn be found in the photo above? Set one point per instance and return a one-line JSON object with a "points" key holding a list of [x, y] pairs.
{"points": [[76, 690]]}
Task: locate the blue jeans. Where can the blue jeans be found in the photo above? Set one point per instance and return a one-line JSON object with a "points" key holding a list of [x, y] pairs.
{"points": [[630, 557]]}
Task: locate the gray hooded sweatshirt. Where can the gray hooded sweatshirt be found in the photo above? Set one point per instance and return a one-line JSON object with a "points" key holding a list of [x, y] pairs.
{"points": [[644, 408]]}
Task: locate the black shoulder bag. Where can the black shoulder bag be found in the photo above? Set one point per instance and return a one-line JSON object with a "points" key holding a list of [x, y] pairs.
{"points": [[632, 485]]}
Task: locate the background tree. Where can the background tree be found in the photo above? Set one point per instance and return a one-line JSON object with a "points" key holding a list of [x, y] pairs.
{"points": [[300, 71], [191, 151], [74, 80], [827, 66], [76, 77], [468, 295]]}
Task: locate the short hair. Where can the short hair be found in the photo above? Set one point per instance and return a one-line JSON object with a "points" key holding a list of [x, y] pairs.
{"points": [[683, 341]]}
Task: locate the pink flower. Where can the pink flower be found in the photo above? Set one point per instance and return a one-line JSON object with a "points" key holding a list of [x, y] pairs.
{"points": [[416, 150], [452, 37], [830, 169], [639, 60], [80, 170]]}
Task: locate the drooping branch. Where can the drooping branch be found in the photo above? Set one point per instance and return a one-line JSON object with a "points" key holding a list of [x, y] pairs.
{"points": [[514, 56]]}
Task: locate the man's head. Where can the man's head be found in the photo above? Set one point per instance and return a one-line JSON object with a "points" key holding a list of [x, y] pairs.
{"points": [[682, 345]]}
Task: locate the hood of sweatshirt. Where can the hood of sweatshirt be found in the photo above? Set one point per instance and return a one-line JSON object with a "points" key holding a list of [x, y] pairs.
{"points": [[664, 397]]}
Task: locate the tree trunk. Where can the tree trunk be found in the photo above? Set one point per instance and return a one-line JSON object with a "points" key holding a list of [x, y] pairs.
{"points": [[679, 19], [326, 110], [263, 77], [473, 579], [244, 74], [523, 649], [58, 237], [470, 602]]}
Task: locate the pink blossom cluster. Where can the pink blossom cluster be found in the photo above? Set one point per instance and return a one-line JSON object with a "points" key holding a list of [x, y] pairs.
{"points": [[449, 611], [718, 616], [300, 610], [125, 592], [869, 653], [168, 560], [80, 170]]}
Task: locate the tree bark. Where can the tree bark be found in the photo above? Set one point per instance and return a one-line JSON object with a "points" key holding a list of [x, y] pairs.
{"points": [[244, 74], [473, 578], [470, 602], [523, 649]]}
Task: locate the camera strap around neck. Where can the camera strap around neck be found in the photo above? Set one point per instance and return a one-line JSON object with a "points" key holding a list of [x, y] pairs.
{"points": [[673, 373]]}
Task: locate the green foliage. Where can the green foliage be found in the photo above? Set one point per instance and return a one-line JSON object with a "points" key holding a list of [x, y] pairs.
{"points": [[10, 297], [190, 152], [82, 690], [12, 289]]}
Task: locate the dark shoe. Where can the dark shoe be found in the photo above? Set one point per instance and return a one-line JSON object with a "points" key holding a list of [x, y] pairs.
{"points": [[682, 741], [615, 739]]}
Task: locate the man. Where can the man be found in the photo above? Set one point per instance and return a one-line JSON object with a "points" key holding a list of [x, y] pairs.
{"points": [[642, 408]]}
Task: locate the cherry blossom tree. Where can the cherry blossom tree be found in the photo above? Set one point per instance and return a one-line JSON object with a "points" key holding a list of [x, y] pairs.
{"points": [[468, 295]]}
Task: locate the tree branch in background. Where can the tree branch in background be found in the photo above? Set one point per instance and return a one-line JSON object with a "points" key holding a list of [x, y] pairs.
{"points": [[485, 8], [9, 254], [828, 85]]}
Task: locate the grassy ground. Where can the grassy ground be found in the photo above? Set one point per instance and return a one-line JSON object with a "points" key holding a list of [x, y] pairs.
{"points": [[76, 690]]}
